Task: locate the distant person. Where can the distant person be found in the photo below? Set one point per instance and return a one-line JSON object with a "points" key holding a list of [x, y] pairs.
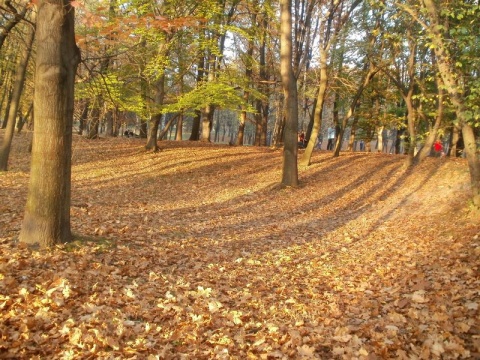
{"points": [[438, 148], [301, 140], [385, 140], [331, 138]]}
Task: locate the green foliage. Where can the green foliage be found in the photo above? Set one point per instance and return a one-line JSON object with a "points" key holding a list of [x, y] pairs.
{"points": [[216, 93], [462, 38]]}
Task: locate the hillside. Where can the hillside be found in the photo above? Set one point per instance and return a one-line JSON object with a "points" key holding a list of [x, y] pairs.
{"points": [[194, 253]]}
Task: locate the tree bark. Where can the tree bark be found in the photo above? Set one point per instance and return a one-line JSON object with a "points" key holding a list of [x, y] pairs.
{"points": [[47, 212], [179, 131], [195, 134], [318, 111], [5, 85], [9, 90], [155, 120], [167, 127], [207, 122], [94, 123], [22, 123], [15, 101], [290, 167]]}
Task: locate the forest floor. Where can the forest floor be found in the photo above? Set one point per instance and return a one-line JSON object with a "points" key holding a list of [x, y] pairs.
{"points": [[194, 253]]}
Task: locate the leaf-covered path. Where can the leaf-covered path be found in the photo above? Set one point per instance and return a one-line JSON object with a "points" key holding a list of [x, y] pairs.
{"points": [[194, 253]]}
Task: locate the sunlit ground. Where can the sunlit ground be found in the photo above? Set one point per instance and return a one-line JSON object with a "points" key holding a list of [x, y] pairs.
{"points": [[194, 252]]}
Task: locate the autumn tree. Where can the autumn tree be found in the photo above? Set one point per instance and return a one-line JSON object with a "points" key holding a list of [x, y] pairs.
{"points": [[47, 213], [333, 17]]}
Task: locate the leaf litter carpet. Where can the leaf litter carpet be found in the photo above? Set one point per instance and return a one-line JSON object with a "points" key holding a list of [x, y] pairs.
{"points": [[194, 253]]}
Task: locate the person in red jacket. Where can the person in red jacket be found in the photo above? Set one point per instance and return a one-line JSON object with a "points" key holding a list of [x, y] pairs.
{"points": [[438, 148]]}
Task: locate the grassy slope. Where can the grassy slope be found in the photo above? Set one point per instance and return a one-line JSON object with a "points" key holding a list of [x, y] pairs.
{"points": [[195, 251]]}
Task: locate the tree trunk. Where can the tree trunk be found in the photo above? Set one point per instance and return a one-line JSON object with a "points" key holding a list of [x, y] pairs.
{"points": [[94, 123], [289, 82], [195, 134], [258, 123], [241, 128], [277, 136], [261, 118], [25, 118], [179, 132], [353, 132], [167, 127], [9, 90], [152, 143], [47, 213], [455, 137], [15, 101], [5, 84], [207, 122], [318, 111], [246, 93], [155, 120], [109, 124]]}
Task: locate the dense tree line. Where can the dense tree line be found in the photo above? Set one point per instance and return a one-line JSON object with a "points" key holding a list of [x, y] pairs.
{"points": [[403, 71]]}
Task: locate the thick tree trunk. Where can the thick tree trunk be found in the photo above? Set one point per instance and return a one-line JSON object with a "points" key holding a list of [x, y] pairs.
{"points": [[15, 101], [153, 133], [195, 134], [289, 82], [473, 161], [179, 132], [47, 213], [207, 122], [241, 128], [155, 120]]}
